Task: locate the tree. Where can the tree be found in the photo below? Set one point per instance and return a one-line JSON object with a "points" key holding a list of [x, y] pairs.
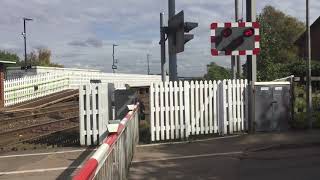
{"points": [[7, 56], [42, 58], [278, 33], [215, 72]]}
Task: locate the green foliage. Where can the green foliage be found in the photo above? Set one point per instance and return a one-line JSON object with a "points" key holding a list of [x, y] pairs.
{"points": [[216, 72], [42, 58], [7, 56], [278, 33], [301, 120]]}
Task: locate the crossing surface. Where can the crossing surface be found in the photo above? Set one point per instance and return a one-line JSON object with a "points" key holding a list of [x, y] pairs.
{"points": [[42, 164], [262, 156]]}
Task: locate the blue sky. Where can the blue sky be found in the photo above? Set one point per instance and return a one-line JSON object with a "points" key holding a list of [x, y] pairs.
{"points": [[81, 33]]}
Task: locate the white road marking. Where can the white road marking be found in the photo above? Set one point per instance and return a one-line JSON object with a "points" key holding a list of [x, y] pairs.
{"points": [[186, 142], [49, 153], [190, 157], [39, 170]]}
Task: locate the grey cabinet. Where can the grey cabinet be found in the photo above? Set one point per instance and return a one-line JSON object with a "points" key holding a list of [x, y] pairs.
{"points": [[272, 106]]}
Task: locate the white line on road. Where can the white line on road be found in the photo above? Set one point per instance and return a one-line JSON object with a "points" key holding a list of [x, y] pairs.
{"points": [[39, 170], [190, 141], [189, 157], [49, 153]]}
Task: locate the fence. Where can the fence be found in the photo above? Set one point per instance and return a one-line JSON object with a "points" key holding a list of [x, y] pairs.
{"points": [[112, 159], [31, 87], [78, 78], [94, 114], [181, 109]]}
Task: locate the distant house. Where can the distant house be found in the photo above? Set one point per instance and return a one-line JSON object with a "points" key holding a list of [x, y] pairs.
{"points": [[315, 42]]}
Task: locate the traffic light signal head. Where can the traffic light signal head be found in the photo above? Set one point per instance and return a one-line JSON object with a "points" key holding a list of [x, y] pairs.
{"points": [[235, 38], [177, 28]]}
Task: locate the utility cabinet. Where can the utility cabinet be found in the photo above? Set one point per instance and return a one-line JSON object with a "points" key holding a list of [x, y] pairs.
{"points": [[273, 103]]}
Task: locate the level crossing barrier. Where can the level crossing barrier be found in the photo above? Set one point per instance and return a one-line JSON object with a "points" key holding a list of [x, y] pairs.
{"points": [[112, 159]]}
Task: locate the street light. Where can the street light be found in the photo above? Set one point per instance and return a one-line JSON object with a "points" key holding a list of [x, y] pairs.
{"points": [[24, 34], [114, 61]]}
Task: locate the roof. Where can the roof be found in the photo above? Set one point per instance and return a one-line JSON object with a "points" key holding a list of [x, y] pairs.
{"points": [[301, 38], [7, 62], [316, 22]]}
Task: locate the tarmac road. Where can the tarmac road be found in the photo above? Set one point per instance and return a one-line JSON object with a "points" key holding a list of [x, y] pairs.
{"points": [[42, 164], [291, 156]]}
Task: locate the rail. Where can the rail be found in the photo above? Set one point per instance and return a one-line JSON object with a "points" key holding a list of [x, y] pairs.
{"points": [[112, 159]]}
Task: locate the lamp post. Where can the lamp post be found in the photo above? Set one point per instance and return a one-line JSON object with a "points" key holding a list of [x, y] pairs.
{"points": [[114, 61], [24, 34]]}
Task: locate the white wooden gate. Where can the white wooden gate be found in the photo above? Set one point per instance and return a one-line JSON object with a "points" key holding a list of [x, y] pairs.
{"points": [[94, 115], [180, 109]]}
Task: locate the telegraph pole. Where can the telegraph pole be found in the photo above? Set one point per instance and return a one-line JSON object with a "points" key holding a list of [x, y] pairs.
{"points": [[163, 48], [251, 68], [173, 72], [309, 83], [148, 62]]}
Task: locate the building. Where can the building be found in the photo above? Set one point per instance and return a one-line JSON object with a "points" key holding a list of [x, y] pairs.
{"points": [[2, 72], [315, 42]]}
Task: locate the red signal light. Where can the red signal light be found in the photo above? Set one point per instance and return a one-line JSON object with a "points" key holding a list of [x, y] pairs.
{"points": [[227, 32], [248, 32]]}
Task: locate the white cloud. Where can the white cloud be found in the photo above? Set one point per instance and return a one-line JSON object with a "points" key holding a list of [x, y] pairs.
{"points": [[81, 33]]}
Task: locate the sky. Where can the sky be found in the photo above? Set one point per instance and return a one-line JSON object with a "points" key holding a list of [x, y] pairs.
{"points": [[80, 33]]}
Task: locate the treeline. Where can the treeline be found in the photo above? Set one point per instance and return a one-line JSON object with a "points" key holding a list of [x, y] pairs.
{"points": [[40, 57]]}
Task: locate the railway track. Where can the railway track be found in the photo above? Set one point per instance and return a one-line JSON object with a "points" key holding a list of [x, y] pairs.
{"points": [[20, 112], [35, 118], [45, 101], [31, 132], [49, 120]]}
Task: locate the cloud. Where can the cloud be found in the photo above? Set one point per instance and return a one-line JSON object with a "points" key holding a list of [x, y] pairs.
{"points": [[81, 33], [94, 42], [90, 42]]}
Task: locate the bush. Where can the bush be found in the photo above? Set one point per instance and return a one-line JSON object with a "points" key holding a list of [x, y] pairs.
{"points": [[144, 132]]}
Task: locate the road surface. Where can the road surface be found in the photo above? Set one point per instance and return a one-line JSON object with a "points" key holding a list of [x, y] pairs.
{"points": [[252, 157]]}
